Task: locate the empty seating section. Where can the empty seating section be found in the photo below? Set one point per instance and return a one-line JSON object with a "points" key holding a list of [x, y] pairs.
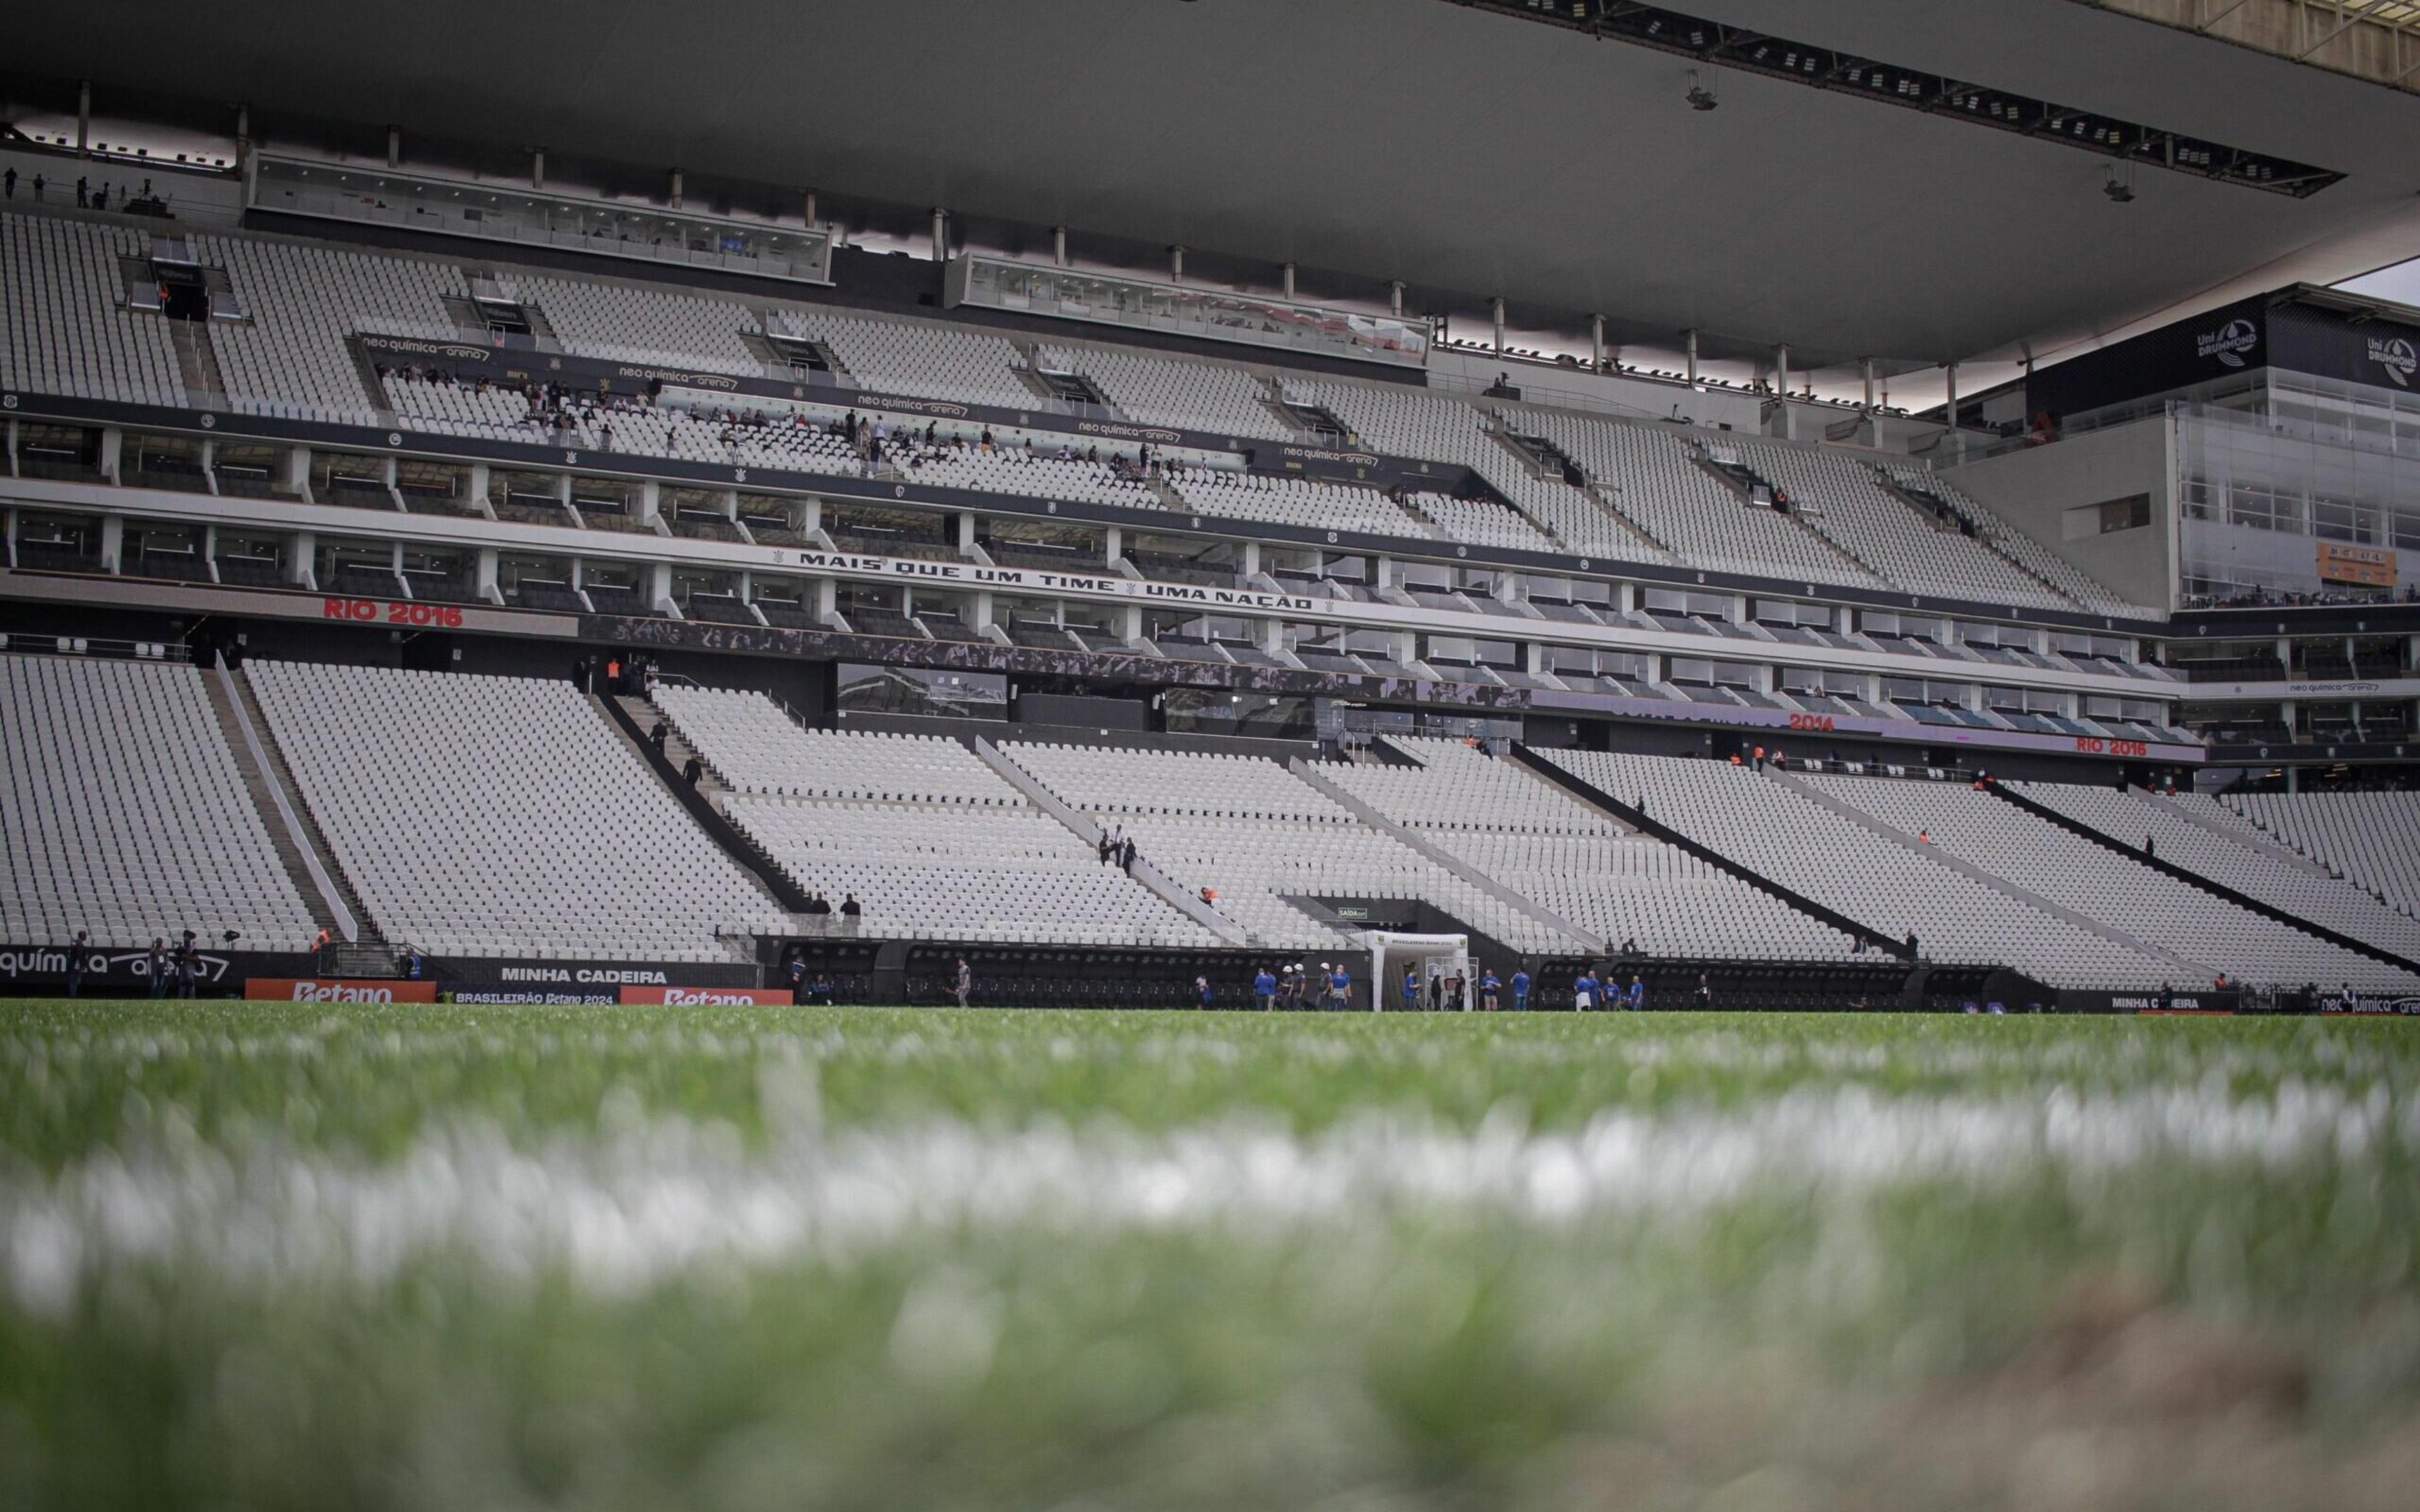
{"points": [[1291, 500], [461, 409], [920, 360], [2369, 838], [1654, 480], [1162, 391], [1836, 495], [934, 843], [1482, 522], [62, 328], [502, 816], [2304, 890], [123, 813], [1407, 422], [1256, 834], [2019, 547], [287, 357], [626, 324], [1791, 840], [1019, 470], [2149, 905], [1510, 824]]}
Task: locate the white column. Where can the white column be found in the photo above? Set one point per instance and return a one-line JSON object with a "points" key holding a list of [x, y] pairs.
{"points": [[485, 585], [1596, 344], [941, 235], [1289, 281], [676, 189], [651, 503], [1497, 308], [300, 547], [1177, 263], [84, 120], [537, 168], [1395, 296], [1866, 365], [826, 598], [808, 209], [978, 611], [298, 473], [1251, 558], [1059, 246], [1692, 334], [395, 146], [659, 584], [113, 541]]}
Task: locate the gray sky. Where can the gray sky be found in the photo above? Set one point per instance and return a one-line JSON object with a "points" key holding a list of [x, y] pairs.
{"points": [[2400, 282]]}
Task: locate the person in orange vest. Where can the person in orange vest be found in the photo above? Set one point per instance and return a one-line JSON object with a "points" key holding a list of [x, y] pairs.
{"points": [[1759, 758], [1735, 761], [1925, 835]]}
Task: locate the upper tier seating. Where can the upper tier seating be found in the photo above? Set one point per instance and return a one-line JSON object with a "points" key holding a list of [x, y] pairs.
{"points": [[62, 328], [2304, 891], [1291, 500], [2019, 547], [1744, 815], [1619, 884], [1163, 391], [2149, 905], [1482, 522], [627, 324], [1836, 495], [1255, 833], [122, 811], [289, 357], [502, 816], [1656, 483], [926, 362], [1403, 421], [934, 843]]}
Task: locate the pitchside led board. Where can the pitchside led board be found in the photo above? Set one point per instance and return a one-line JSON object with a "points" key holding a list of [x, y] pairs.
{"points": [[2302, 331], [371, 990]]}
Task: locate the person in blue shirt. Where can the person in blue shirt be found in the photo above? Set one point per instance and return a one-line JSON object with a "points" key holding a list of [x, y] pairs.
{"points": [[1520, 991], [1411, 989], [1638, 993], [1487, 988], [1339, 989], [1264, 990], [1209, 993], [1584, 991]]}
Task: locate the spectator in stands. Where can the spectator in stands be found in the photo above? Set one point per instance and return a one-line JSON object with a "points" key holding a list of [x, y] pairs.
{"points": [[1103, 847], [817, 906], [579, 673], [39, 184], [77, 950], [320, 945], [691, 769], [2149, 852], [849, 906], [1126, 857], [11, 179], [963, 982], [1521, 990], [657, 736], [613, 674], [158, 977], [84, 193], [1264, 989]]}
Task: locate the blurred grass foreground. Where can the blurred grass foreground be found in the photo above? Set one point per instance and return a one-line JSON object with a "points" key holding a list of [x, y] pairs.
{"points": [[274, 1257]]}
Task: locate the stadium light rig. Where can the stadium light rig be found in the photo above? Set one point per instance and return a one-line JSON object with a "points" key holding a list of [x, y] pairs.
{"points": [[2119, 192], [1699, 96]]}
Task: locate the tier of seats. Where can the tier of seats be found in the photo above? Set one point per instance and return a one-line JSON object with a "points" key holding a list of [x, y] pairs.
{"points": [[63, 327], [2306, 891], [2016, 545], [1255, 835], [123, 813], [622, 323], [1880, 883], [2371, 839], [502, 816], [1286, 499], [2148, 906], [1216, 397], [1654, 480], [287, 357], [920, 360], [1482, 522], [747, 742], [1621, 886]]}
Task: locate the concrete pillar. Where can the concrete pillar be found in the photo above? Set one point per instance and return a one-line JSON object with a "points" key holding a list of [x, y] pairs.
{"points": [[301, 548], [113, 541], [1781, 369], [677, 183], [659, 584], [941, 235], [481, 480], [807, 209], [1177, 263], [1289, 281], [811, 514], [537, 168], [1271, 638], [1112, 545], [743, 586], [651, 503], [1129, 620], [243, 136], [967, 532], [84, 120], [1596, 344], [1059, 246], [1395, 296], [978, 610], [395, 146], [728, 502], [578, 576], [1496, 308], [485, 584], [1692, 336], [113, 449], [826, 598], [1251, 558], [1865, 366]]}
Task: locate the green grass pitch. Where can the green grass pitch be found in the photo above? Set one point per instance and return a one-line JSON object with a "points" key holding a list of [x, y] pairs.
{"points": [[270, 1257]]}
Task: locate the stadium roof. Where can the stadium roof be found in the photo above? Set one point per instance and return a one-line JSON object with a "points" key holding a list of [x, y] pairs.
{"points": [[1466, 150]]}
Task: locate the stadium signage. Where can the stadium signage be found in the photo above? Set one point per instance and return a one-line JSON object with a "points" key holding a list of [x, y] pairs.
{"points": [[337, 990], [2365, 1006], [393, 612], [2397, 356], [708, 996], [973, 574], [2094, 745], [1141, 433], [1821, 722], [2230, 343], [453, 351], [610, 975], [98, 965]]}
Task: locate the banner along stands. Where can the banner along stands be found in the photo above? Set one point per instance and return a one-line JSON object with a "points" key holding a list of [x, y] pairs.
{"points": [[337, 990], [708, 996], [119, 972]]}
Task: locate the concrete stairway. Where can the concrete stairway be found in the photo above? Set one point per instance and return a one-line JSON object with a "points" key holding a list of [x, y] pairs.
{"points": [[301, 846]]}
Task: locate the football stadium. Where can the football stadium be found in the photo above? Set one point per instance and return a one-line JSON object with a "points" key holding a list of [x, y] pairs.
{"points": [[1210, 753]]}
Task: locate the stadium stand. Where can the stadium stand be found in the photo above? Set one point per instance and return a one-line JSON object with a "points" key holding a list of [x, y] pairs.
{"points": [[1617, 883], [627, 323], [934, 843], [1256, 835], [1163, 391], [2371, 839], [124, 813], [287, 358], [1291, 500], [422, 782], [63, 327], [911, 358], [1891, 885]]}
